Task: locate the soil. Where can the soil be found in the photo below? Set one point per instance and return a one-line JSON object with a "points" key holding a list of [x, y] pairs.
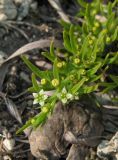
{"points": [[13, 35]]}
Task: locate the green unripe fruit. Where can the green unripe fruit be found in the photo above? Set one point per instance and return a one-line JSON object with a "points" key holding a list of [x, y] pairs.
{"points": [[108, 39]]}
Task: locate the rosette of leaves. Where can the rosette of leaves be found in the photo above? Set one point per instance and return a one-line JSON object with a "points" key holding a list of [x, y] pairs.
{"points": [[78, 67]]}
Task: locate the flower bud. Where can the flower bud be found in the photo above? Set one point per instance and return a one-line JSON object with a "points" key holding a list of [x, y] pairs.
{"points": [[105, 31], [63, 63], [97, 24], [62, 78], [94, 12], [43, 81], [55, 82], [90, 41], [71, 77], [33, 121], [59, 64], [108, 39], [94, 29], [76, 60], [83, 71], [44, 109], [93, 37]]}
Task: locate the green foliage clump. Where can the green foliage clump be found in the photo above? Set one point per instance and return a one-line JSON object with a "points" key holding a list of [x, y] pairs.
{"points": [[80, 66]]}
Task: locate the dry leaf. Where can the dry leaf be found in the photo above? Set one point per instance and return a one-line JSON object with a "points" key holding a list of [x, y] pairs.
{"points": [[3, 68], [33, 45], [13, 109], [3, 71], [56, 5], [110, 106], [30, 46], [9, 144]]}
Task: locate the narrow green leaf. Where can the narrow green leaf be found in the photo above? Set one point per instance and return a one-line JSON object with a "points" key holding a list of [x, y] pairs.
{"points": [[66, 39], [78, 85], [89, 18], [95, 78], [34, 82], [31, 89], [89, 89], [115, 34], [113, 59], [115, 3], [94, 69], [82, 3], [65, 24], [99, 45], [52, 49], [84, 28], [40, 119], [28, 123], [109, 88], [55, 70], [106, 59], [114, 78], [111, 26], [34, 69], [114, 99], [84, 49], [97, 5], [73, 39], [81, 13], [48, 56], [109, 8]]}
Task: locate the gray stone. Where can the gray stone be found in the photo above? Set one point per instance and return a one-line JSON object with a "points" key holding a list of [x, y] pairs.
{"points": [[72, 125], [108, 149], [25, 6], [23, 10], [17, 2], [10, 9], [2, 56], [3, 17], [7, 10]]}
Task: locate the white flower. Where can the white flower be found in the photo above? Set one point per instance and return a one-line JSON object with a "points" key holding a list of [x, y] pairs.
{"points": [[64, 96], [40, 97]]}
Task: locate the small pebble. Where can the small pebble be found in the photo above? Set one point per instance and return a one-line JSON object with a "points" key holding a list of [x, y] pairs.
{"points": [[5, 122], [0, 123], [30, 103], [86, 158], [25, 77], [6, 157], [34, 36], [9, 144], [34, 6], [3, 17], [5, 38]]}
